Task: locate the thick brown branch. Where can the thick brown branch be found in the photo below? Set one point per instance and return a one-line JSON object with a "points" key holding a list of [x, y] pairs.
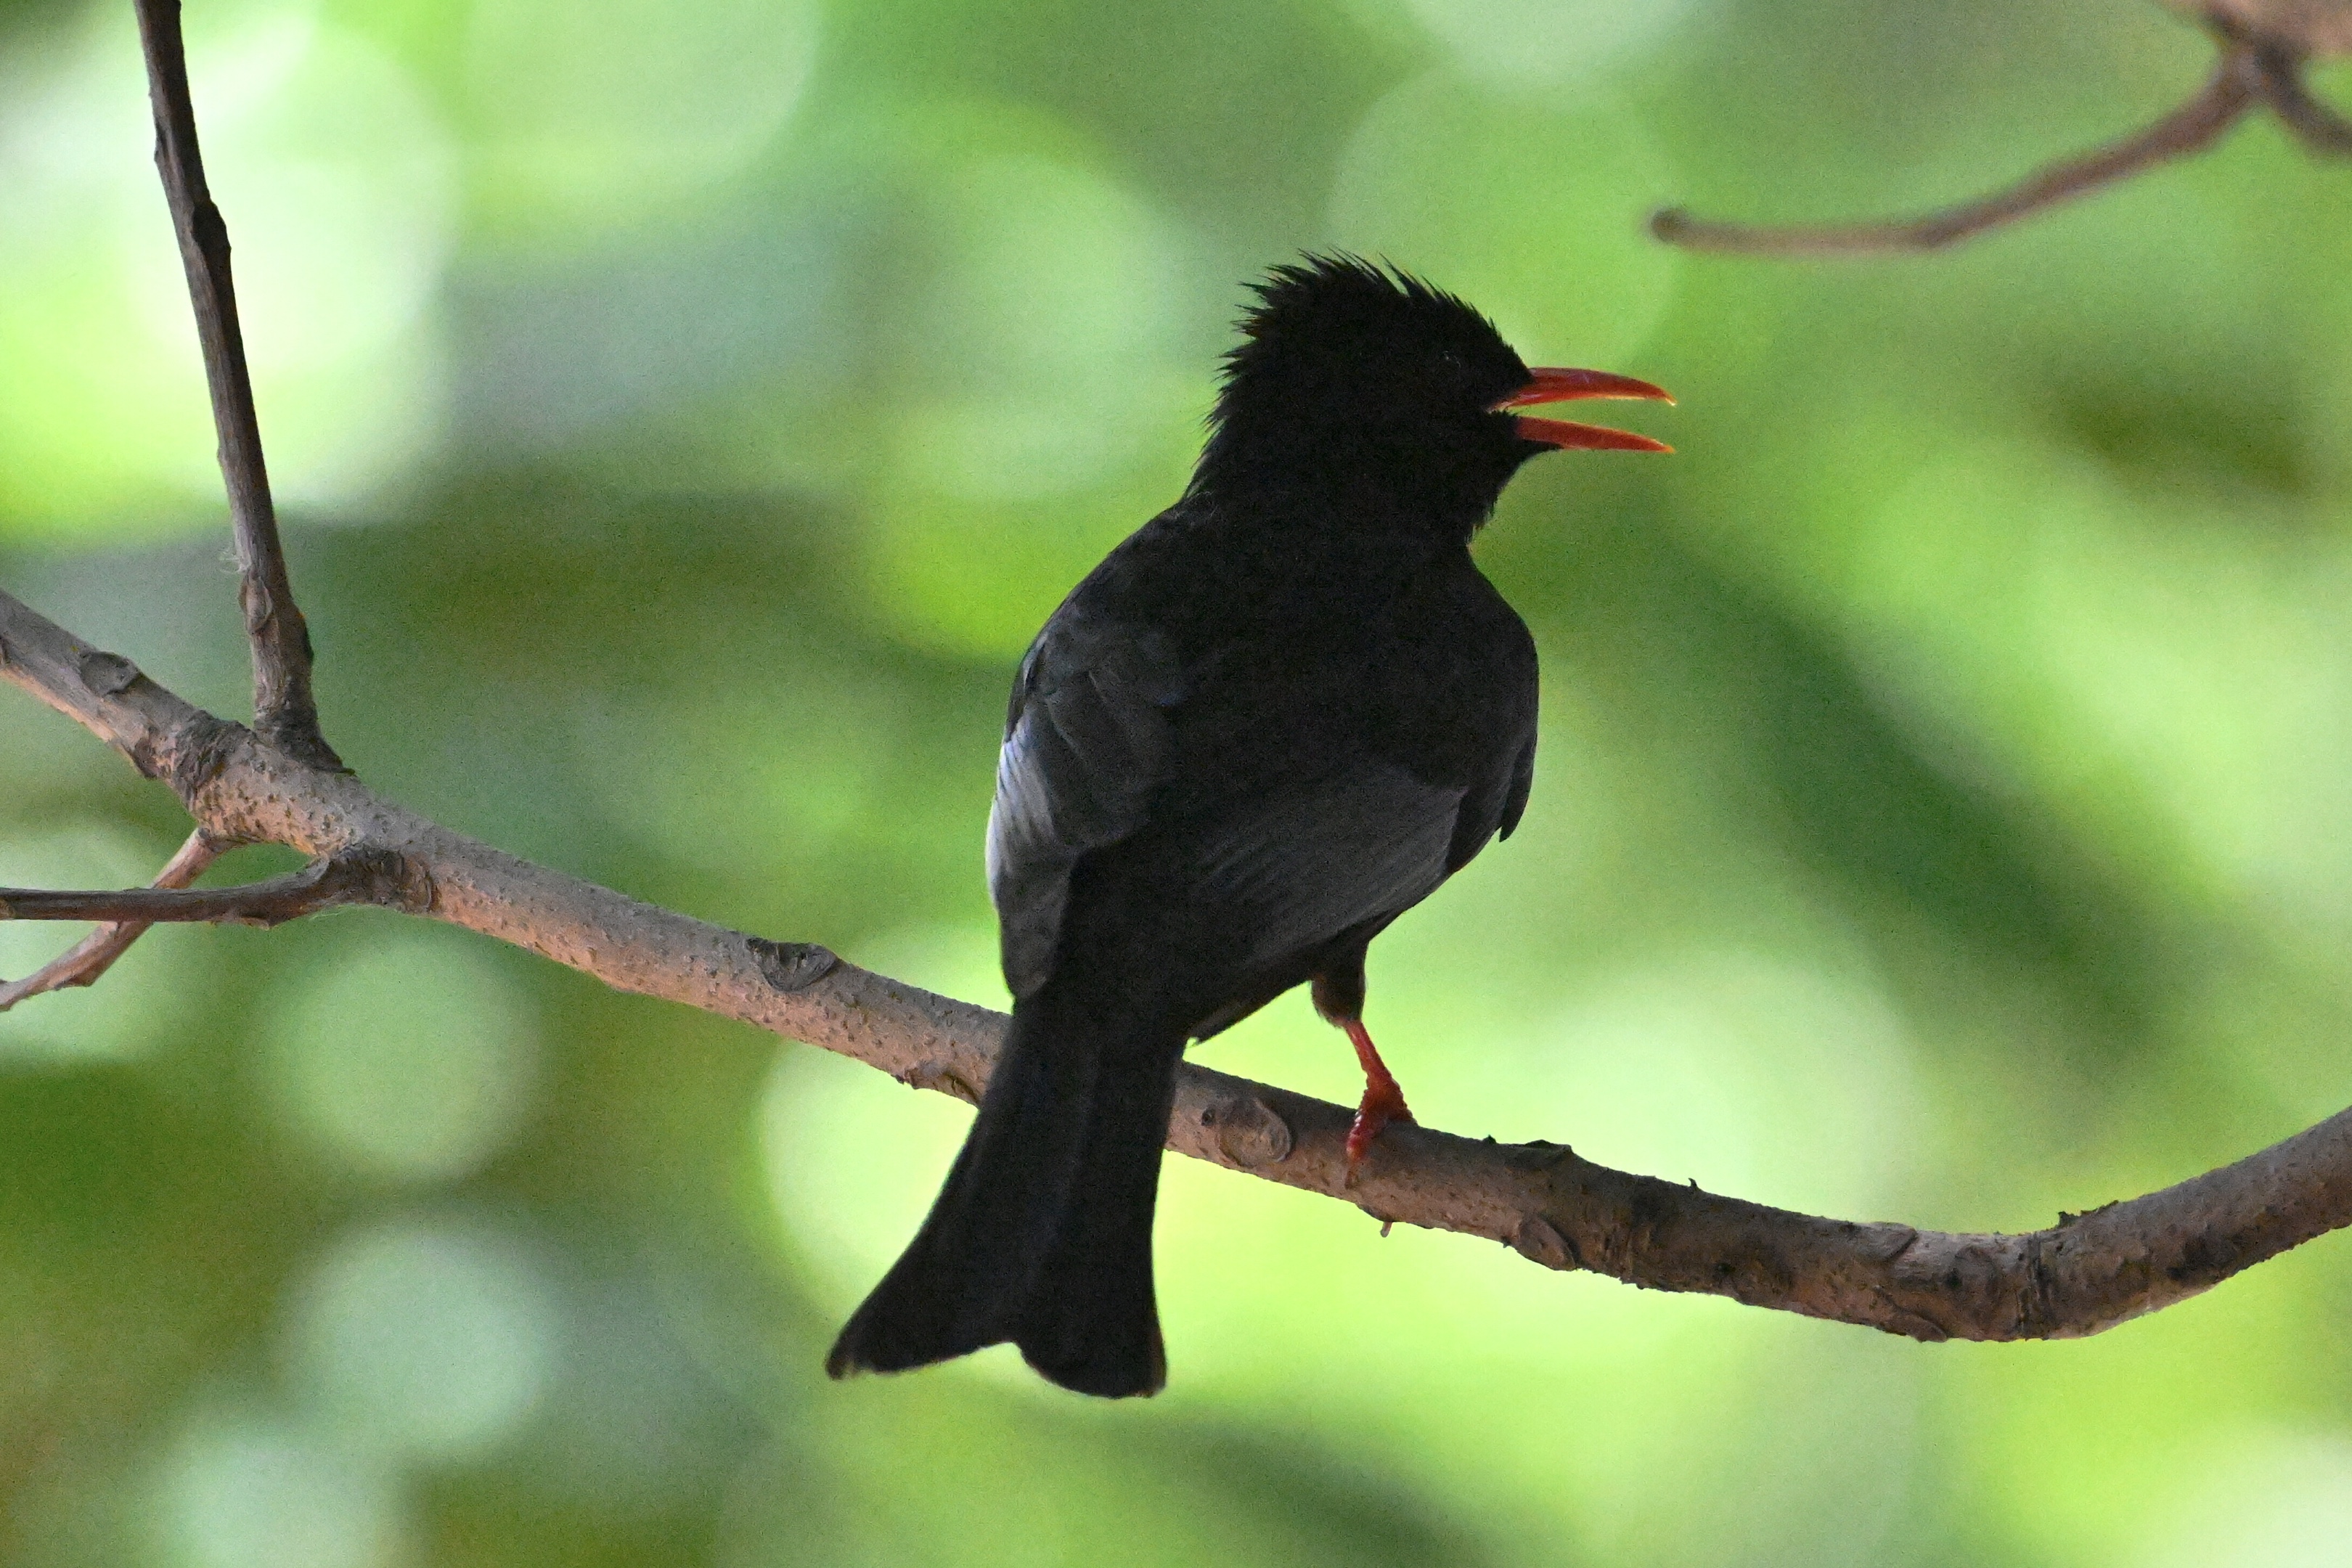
{"points": [[88, 960], [2082, 1275], [2237, 83], [284, 710]]}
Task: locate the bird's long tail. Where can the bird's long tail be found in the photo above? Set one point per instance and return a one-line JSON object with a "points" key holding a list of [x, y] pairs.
{"points": [[1043, 1233]]}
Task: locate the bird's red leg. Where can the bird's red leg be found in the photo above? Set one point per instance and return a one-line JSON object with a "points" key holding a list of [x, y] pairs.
{"points": [[1383, 1101], [1339, 994]]}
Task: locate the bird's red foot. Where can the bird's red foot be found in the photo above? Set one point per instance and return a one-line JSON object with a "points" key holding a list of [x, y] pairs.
{"points": [[1383, 1101]]}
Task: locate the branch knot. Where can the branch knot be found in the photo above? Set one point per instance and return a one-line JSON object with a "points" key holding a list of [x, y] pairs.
{"points": [[1250, 1132], [791, 966]]}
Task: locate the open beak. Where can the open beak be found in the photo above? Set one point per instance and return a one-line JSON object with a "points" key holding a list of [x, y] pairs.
{"points": [[1552, 385]]}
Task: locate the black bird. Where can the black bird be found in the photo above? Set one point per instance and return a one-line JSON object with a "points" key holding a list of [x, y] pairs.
{"points": [[1270, 722]]}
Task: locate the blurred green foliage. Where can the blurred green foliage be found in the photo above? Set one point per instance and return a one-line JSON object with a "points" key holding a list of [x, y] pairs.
{"points": [[683, 415]]}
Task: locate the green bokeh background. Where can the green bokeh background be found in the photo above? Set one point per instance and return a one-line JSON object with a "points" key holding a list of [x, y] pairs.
{"points": [[683, 415]]}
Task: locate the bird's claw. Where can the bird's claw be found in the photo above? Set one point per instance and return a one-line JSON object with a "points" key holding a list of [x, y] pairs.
{"points": [[1384, 1103]]}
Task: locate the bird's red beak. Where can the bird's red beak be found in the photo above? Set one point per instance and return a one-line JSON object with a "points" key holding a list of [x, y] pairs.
{"points": [[1552, 385]]}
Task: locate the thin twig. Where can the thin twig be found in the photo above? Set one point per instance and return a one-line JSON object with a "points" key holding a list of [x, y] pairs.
{"points": [[284, 710], [361, 877], [2079, 1277], [2313, 123], [2238, 81], [2314, 30], [84, 963]]}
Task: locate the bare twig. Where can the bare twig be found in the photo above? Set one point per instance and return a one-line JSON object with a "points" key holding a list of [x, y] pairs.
{"points": [[2318, 127], [284, 710], [1564, 1212], [2237, 83], [2314, 30], [89, 959], [356, 877]]}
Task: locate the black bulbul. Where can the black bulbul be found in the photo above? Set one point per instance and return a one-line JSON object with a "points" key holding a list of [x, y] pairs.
{"points": [[1268, 723]]}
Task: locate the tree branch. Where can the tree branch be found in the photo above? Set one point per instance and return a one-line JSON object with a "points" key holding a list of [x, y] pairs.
{"points": [[2318, 127], [2082, 1275], [285, 712], [2314, 30], [89, 959], [356, 877], [2239, 81]]}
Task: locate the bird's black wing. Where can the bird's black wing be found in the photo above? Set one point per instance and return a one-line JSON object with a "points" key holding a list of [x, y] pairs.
{"points": [[1086, 743], [1284, 875], [1523, 779], [1492, 810]]}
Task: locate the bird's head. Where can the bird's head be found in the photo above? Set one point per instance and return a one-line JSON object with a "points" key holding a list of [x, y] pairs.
{"points": [[1351, 377]]}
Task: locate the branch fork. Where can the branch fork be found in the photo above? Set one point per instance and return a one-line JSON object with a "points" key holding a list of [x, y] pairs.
{"points": [[2255, 69]]}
